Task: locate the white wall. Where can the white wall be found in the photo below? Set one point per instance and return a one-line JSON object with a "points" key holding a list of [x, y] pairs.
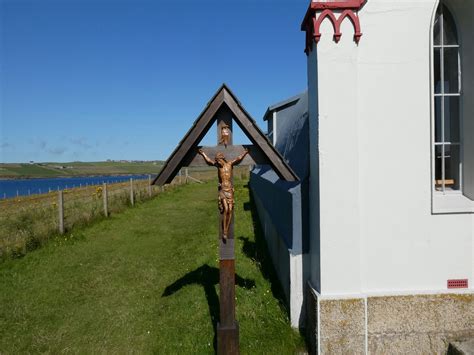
{"points": [[377, 232], [338, 160]]}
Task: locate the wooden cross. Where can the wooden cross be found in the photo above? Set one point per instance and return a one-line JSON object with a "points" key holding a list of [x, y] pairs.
{"points": [[225, 108]]}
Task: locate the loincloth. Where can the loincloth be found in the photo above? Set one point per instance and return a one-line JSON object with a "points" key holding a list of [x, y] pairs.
{"points": [[227, 195]]}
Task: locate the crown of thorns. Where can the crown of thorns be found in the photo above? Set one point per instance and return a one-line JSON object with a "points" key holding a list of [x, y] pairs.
{"points": [[220, 156]]}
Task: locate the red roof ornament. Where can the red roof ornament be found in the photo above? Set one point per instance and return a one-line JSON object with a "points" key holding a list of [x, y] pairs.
{"points": [[319, 10]]}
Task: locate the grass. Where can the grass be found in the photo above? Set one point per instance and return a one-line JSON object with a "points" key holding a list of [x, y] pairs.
{"points": [[144, 281], [77, 169], [27, 170], [29, 222]]}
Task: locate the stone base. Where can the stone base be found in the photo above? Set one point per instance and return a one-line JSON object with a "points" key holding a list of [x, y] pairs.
{"points": [[394, 325], [228, 339]]}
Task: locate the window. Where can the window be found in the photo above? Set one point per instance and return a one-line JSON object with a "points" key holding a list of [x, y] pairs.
{"points": [[447, 95], [453, 108]]}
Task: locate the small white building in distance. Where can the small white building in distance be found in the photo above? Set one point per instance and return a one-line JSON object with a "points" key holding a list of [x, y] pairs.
{"points": [[387, 264]]}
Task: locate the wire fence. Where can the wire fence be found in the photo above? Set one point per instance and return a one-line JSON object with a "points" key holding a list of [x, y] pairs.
{"points": [[28, 222]]}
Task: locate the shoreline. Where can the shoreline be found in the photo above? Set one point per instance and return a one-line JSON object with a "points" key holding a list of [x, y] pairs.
{"points": [[5, 178]]}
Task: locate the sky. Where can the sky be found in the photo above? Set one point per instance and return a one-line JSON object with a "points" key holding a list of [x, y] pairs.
{"points": [[90, 80]]}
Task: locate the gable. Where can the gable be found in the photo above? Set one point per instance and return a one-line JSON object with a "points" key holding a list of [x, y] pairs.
{"points": [[262, 152]]}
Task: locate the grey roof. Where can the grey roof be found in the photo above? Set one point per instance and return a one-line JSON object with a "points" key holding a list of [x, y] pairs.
{"points": [[280, 105], [292, 133], [282, 201], [287, 202]]}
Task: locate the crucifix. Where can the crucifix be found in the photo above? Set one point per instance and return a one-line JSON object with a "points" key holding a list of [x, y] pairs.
{"points": [[226, 187], [225, 108]]}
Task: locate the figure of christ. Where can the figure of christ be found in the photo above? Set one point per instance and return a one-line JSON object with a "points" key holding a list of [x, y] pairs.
{"points": [[226, 188]]}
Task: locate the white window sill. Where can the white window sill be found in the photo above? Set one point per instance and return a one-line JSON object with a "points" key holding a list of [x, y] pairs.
{"points": [[451, 202]]}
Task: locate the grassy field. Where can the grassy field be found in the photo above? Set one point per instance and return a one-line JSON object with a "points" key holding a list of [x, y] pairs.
{"points": [[143, 281], [77, 169], [28, 222]]}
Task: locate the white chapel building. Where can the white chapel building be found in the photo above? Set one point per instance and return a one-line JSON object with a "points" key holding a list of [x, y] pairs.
{"points": [[375, 254]]}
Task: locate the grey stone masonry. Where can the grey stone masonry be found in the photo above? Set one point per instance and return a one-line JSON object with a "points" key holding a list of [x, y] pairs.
{"points": [[416, 324]]}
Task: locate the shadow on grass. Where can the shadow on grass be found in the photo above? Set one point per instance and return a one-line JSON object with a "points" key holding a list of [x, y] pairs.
{"points": [[208, 278], [258, 252]]}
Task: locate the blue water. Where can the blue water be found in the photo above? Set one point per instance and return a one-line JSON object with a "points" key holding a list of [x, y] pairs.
{"points": [[25, 187]]}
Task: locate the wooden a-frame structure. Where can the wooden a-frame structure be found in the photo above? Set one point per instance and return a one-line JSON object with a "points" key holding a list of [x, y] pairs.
{"points": [[225, 108]]}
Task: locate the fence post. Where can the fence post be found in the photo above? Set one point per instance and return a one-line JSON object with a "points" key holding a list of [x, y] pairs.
{"points": [[149, 185], [180, 181], [104, 194], [186, 174], [132, 201], [61, 211]]}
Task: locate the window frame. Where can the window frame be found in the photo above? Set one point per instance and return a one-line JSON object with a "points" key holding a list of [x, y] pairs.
{"points": [[445, 143], [270, 129], [447, 201]]}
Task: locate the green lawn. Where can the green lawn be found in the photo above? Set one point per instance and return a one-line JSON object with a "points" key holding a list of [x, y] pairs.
{"points": [[19, 170], [77, 169], [143, 281]]}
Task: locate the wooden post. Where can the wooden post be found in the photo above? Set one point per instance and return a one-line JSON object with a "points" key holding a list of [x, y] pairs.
{"points": [[104, 195], [179, 174], [186, 174], [227, 328], [149, 186], [61, 211], [132, 197]]}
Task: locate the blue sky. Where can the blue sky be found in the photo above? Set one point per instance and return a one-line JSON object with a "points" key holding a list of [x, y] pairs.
{"points": [[114, 79]]}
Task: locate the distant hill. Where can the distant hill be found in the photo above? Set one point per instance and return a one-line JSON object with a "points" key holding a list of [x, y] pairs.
{"points": [[38, 170]]}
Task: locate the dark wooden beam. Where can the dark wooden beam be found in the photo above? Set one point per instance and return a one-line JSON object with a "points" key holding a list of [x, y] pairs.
{"points": [[227, 328], [254, 157], [192, 138]]}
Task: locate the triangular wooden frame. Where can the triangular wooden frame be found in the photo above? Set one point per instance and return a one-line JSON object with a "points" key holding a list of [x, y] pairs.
{"points": [[262, 151]]}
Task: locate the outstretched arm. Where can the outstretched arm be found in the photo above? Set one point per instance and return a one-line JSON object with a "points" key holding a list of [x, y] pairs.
{"points": [[240, 157], [206, 158]]}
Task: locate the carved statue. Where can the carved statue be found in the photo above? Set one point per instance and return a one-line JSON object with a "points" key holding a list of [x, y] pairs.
{"points": [[226, 188], [225, 135]]}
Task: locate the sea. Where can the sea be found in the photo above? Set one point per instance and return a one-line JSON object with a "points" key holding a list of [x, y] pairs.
{"points": [[24, 187]]}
